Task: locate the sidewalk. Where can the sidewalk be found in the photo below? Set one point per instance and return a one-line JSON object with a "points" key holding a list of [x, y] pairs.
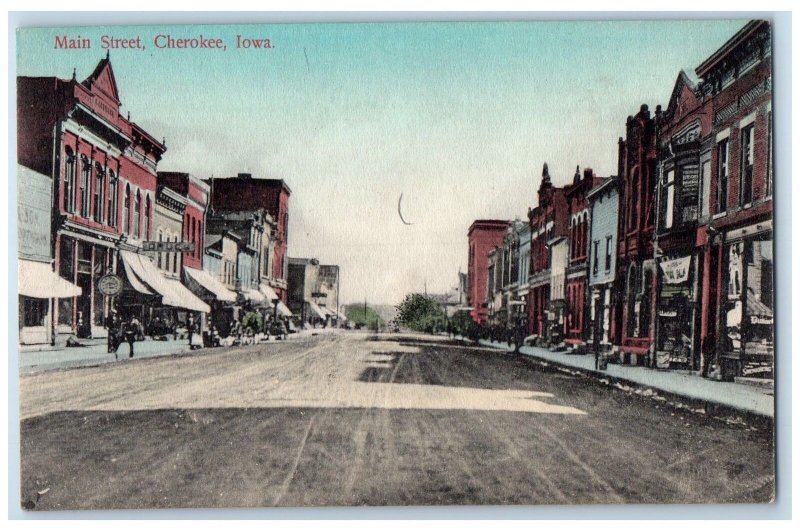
{"points": [[95, 354], [742, 397], [45, 358]]}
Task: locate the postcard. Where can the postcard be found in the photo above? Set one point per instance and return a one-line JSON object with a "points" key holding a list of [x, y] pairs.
{"points": [[396, 264]]}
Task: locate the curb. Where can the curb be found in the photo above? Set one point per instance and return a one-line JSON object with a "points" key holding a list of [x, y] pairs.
{"points": [[680, 401]]}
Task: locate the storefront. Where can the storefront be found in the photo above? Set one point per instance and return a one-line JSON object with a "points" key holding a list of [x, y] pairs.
{"points": [[154, 298], [38, 286], [602, 300], [677, 300], [220, 299], [747, 347]]}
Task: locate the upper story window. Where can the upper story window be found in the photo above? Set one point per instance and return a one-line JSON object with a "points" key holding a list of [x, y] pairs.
{"points": [[86, 170], [668, 200], [746, 179], [608, 253], [722, 176], [112, 198], [768, 184], [126, 210], [147, 207], [137, 215], [69, 181], [99, 178], [595, 256]]}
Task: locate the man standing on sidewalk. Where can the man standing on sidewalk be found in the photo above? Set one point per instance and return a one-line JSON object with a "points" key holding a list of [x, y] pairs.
{"points": [[131, 332], [113, 325]]}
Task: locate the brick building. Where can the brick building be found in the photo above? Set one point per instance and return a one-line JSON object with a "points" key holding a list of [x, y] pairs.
{"points": [[636, 269], [737, 294], [483, 236], [684, 151], [243, 193], [581, 248], [103, 167], [548, 221]]}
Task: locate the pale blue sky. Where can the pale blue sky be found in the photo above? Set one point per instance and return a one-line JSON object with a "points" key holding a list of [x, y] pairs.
{"points": [[459, 117]]}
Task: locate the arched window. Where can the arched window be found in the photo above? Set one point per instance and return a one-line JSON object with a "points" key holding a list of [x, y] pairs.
{"points": [[86, 170], [69, 181], [137, 215], [146, 234], [112, 199], [99, 179], [126, 210]]}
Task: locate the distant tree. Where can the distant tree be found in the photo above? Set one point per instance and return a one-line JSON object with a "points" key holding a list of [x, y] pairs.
{"points": [[462, 324], [421, 313]]}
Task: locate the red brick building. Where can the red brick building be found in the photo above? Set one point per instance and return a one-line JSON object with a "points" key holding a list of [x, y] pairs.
{"points": [[580, 251], [197, 195], [636, 269], [548, 221], [103, 167], [483, 236], [244, 192], [737, 250], [684, 151]]}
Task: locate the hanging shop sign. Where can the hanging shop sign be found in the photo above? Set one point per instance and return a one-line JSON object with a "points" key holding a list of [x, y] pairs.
{"points": [[110, 285], [168, 247], [676, 271]]}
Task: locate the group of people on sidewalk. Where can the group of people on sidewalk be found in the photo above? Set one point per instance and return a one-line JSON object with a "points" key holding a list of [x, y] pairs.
{"points": [[122, 330]]}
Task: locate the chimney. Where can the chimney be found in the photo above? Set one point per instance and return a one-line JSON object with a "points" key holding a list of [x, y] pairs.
{"points": [[245, 175], [587, 173]]}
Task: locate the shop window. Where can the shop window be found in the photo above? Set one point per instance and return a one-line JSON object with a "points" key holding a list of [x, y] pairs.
{"points": [[644, 304], [631, 292], [69, 181], [746, 157], [34, 312], [722, 177]]}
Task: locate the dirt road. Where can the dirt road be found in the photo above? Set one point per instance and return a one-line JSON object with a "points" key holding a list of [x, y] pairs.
{"points": [[353, 419]]}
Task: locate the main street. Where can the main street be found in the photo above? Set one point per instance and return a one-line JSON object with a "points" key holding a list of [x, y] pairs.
{"points": [[348, 418]]}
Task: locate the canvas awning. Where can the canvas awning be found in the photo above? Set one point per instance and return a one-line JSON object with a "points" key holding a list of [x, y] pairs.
{"points": [[38, 280], [207, 282], [268, 292], [316, 309], [179, 296], [146, 278], [270, 295], [284, 310], [254, 296]]}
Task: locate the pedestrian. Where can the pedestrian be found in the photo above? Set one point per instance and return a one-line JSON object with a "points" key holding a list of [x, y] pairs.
{"points": [[708, 350], [132, 330], [112, 325], [190, 329]]}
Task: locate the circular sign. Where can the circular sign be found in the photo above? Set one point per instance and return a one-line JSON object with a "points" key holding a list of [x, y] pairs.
{"points": [[110, 285]]}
